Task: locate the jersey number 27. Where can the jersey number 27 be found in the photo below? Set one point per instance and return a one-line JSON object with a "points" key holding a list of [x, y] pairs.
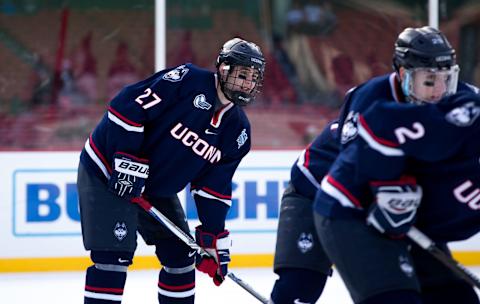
{"points": [[148, 99]]}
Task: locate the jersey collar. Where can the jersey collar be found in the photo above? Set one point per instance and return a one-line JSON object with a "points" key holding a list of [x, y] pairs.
{"points": [[395, 88], [218, 115]]}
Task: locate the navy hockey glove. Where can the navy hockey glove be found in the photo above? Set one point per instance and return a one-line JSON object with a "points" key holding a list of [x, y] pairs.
{"points": [[215, 265], [395, 206], [128, 176]]}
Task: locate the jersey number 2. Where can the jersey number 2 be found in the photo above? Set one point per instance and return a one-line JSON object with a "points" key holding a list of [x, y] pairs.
{"points": [[403, 133], [146, 99]]}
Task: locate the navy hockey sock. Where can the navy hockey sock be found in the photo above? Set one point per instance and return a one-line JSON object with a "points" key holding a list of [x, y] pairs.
{"points": [[104, 286], [302, 285], [176, 285], [395, 297], [451, 292], [105, 279]]}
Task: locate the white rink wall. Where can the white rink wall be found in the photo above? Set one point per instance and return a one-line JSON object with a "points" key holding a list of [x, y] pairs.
{"points": [[39, 212]]}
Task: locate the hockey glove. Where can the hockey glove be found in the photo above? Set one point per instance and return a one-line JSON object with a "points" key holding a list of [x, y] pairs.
{"points": [[395, 206], [128, 176], [215, 265]]}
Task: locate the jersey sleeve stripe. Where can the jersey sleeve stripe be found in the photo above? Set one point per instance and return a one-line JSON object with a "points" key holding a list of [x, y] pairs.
{"points": [[381, 145], [303, 168], [333, 188], [97, 157], [205, 194], [214, 192], [307, 156], [128, 125]]}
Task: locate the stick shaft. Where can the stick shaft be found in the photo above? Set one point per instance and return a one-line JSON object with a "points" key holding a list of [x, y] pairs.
{"points": [[426, 243]]}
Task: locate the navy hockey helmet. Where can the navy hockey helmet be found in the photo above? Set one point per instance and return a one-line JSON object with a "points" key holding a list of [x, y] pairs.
{"points": [[239, 52], [423, 47], [425, 51]]}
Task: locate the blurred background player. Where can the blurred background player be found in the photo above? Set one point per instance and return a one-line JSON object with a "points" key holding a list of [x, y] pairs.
{"points": [[300, 262], [299, 258], [410, 122], [181, 125]]}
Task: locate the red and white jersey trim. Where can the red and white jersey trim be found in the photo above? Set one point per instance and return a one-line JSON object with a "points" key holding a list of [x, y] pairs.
{"points": [[217, 117], [381, 145], [209, 193], [394, 86], [338, 192], [123, 122], [302, 164], [97, 159]]}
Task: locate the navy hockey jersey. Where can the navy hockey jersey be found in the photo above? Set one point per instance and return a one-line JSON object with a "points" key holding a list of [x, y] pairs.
{"points": [[436, 143], [313, 163], [170, 119]]}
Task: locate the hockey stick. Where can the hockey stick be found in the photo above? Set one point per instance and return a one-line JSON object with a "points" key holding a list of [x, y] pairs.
{"points": [[187, 239], [426, 243]]}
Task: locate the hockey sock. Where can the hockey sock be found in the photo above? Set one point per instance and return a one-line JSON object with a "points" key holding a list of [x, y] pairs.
{"points": [[395, 297], [104, 286], [300, 285], [176, 285], [451, 292]]}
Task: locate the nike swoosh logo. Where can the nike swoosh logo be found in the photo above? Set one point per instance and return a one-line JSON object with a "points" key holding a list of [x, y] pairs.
{"points": [[297, 301], [207, 131], [190, 254], [123, 261]]}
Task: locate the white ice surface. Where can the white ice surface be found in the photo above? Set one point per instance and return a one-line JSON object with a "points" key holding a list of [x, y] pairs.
{"points": [[67, 287]]}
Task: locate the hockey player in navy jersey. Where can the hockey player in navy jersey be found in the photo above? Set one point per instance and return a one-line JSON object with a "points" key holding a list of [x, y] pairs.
{"points": [[300, 262], [418, 126], [181, 125]]}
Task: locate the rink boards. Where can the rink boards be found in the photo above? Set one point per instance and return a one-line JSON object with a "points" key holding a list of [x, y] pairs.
{"points": [[39, 218]]}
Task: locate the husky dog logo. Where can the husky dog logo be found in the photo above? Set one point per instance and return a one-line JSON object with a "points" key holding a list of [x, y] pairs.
{"points": [[120, 231], [349, 129], [305, 242], [242, 138], [405, 265], [200, 102], [464, 115], [176, 74]]}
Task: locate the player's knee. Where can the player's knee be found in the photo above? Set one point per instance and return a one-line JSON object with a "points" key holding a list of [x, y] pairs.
{"points": [[111, 260], [395, 297], [174, 253], [298, 284], [452, 292]]}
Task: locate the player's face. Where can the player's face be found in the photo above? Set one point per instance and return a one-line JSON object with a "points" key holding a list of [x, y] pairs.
{"points": [[243, 79], [430, 86], [426, 85]]}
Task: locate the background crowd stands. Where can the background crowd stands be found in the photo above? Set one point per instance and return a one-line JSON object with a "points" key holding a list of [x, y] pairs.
{"points": [[62, 61]]}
